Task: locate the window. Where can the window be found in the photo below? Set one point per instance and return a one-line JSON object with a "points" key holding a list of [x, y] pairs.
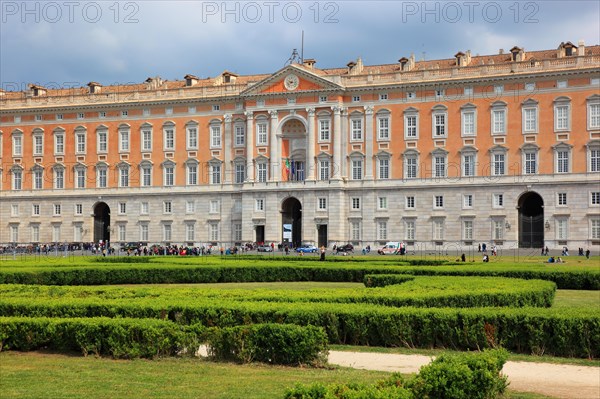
{"points": [[146, 175], [144, 208], [260, 103], [382, 203], [593, 112], [355, 231], [79, 209], [529, 86], [438, 229], [190, 232], [102, 140], [169, 174], [260, 205], [498, 164], [439, 94], [80, 177], [124, 113], [144, 232], [595, 229], [80, 115], [468, 122], [38, 179], [216, 107], [355, 203], [38, 144], [357, 166], [167, 207], [409, 230], [562, 159], [14, 233], [17, 178], [237, 232], [56, 233], [562, 229], [384, 168], [214, 231], [215, 136], [530, 161], [59, 178], [169, 111], [35, 233], [237, 206], [38, 118], [122, 208], [35, 210], [382, 230], [411, 95], [383, 97], [410, 202], [17, 119], [530, 120], [14, 210], [261, 172], [124, 176], [80, 143], [324, 173], [411, 130], [498, 200], [59, 143], [59, 117], [355, 99], [468, 201], [411, 165], [122, 232], [214, 206], [438, 201], [124, 140], [192, 174], [147, 139], [356, 126], [101, 177], [499, 89], [561, 114], [562, 199], [439, 165], [77, 232], [498, 229], [467, 230], [383, 127], [322, 99], [261, 133], [240, 172], [192, 138], [102, 114], [240, 135], [594, 159], [215, 175], [499, 121], [169, 137], [468, 166], [167, 232], [561, 84], [468, 91], [190, 206], [191, 110], [324, 129], [439, 125], [57, 210], [322, 204], [291, 100]]}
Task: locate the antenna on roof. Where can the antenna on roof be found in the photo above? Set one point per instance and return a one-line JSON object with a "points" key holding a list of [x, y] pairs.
{"points": [[294, 58]]}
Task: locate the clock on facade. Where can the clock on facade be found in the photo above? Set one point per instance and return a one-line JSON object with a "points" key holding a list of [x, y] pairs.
{"points": [[291, 82]]}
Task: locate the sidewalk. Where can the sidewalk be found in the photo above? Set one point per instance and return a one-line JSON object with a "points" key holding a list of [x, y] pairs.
{"points": [[555, 380]]}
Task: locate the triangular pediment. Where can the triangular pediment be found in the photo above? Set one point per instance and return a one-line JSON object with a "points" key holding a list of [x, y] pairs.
{"points": [[291, 79]]}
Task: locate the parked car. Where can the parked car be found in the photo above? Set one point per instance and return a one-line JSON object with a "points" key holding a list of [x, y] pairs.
{"points": [[307, 248], [130, 246], [264, 248], [344, 248], [390, 248]]}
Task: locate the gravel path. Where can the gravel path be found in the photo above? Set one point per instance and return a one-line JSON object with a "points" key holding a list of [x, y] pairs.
{"points": [[555, 380]]}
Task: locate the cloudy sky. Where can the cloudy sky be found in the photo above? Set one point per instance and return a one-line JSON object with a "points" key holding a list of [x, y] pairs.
{"points": [[69, 43]]}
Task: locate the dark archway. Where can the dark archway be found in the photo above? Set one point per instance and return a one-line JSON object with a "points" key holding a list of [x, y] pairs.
{"points": [[531, 220], [101, 222], [291, 214]]}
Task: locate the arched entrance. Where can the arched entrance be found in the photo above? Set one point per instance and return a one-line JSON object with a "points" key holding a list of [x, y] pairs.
{"points": [[531, 220], [293, 150], [291, 218], [101, 222]]}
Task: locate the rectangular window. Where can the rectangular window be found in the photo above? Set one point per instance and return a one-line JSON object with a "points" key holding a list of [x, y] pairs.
{"points": [[215, 176], [562, 117], [440, 166], [439, 201], [561, 84], [357, 169], [411, 95], [324, 169], [322, 99], [594, 160], [35, 210], [324, 130], [355, 231], [410, 126], [124, 113], [498, 200], [38, 118], [79, 178], [144, 208], [261, 134], [356, 129], [498, 121], [562, 229], [410, 202], [167, 232], [237, 232], [240, 172], [214, 231], [594, 116], [562, 199], [383, 128], [384, 168], [467, 229], [17, 145], [215, 136], [192, 178], [382, 230], [102, 141], [411, 168], [595, 233], [355, 99], [17, 179], [468, 91], [80, 143], [38, 179], [169, 111], [78, 209], [59, 117], [102, 114], [439, 94], [499, 164], [122, 232], [169, 176], [38, 144], [146, 140], [167, 207], [468, 201], [530, 163], [214, 206], [383, 97], [122, 208], [190, 206], [77, 232], [143, 232], [14, 233], [14, 210], [438, 229], [124, 140], [529, 86], [35, 233], [498, 229], [59, 144], [169, 139], [322, 206], [57, 210], [240, 135], [192, 136], [440, 124], [261, 172], [382, 202], [356, 203], [123, 177], [59, 178], [562, 158], [80, 115], [102, 177], [468, 123], [468, 165], [530, 120], [147, 176], [409, 230], [216, 107], [56, 233]]}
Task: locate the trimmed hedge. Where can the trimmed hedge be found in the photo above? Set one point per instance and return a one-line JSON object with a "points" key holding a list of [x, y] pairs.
{"points": [[285, 344], [119, 338], [465, 376], [382, 280]]}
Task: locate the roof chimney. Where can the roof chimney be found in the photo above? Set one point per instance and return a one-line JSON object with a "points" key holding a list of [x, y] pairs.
{"points": [[309, 63], [581, 49], [190, 80], [407, 64], [94, 87], [37, 91], [518, 54], [355, 68], [153, 83]]}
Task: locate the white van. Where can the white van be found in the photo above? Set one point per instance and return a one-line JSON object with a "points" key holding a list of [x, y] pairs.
{"points": [[390, 248]]}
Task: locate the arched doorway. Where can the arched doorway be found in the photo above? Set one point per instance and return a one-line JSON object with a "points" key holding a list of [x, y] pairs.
{"points": [[531, 220], [101, 222], [291, 218], [293, 150]]}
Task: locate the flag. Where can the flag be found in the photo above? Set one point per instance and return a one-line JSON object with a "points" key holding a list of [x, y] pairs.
{"points": [[287, 168]]}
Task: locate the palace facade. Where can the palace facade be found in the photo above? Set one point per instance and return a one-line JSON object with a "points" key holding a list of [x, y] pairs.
{"points": [[502, 149]]}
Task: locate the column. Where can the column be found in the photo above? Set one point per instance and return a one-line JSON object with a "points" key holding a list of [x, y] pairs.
{"points": [[275, 174], [249, 146], [337, 142], [310, 145], [227, 150], [369, 143], [344, 136]]}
